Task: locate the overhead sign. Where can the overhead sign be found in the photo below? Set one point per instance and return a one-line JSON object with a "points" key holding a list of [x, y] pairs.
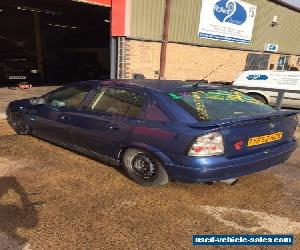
{"points": [[227, 20], [271, 47]]}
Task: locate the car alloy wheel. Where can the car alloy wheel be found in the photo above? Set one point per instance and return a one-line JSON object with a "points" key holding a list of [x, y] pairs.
{"points": [[142, 166]]}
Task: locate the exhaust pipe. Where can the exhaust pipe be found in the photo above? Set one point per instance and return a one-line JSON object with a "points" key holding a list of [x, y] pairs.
{"points": [[231, 181]]}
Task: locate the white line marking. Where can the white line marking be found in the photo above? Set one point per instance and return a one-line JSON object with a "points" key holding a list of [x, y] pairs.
{"points": [[273, 223]]}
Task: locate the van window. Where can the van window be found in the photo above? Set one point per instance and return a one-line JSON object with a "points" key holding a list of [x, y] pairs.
{"points": [[218, 104]]}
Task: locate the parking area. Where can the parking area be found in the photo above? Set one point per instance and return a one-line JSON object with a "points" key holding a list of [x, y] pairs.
{"points": [[52, 198], [11, 93]]}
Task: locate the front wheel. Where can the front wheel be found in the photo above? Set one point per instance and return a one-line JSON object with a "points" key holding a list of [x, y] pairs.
{"points": [[143, 168], [18, 123]]}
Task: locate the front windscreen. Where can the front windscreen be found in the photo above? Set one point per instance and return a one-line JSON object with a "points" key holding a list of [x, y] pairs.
{"points": [[218, 104]]}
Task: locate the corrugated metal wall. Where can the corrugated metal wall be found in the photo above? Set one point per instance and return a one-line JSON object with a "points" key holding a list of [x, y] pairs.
{"points": [[147, 21]]}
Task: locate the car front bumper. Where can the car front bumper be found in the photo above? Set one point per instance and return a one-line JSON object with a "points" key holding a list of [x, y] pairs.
{"points": [[207, 169]]}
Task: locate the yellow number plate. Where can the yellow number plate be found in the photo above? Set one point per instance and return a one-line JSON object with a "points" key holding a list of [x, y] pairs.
{"points": [[258, 140]]}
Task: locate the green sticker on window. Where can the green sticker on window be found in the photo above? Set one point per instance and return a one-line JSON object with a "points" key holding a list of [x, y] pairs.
{"points": [[174, 96], [234, 96]]}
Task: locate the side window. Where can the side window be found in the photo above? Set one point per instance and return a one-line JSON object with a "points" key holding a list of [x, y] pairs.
{"points": [[118, 101], [68, 97], [156, 114]]}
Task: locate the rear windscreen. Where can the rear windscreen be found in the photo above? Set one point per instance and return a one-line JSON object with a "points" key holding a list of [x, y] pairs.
{"points": [[218, 104]]}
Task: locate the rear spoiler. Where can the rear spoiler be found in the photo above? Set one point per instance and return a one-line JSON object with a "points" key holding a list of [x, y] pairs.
{"points": [[243, 119]]}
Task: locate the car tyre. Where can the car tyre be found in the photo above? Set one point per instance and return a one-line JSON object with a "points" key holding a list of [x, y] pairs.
{"points": [[18, 123], [259, 97], [143, 168]]}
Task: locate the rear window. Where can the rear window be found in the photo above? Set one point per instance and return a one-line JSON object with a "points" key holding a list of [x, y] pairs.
{"points": [[218, 104]]}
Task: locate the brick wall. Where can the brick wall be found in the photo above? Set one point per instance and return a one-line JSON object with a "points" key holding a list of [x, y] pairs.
{"points": [[193, 62], [187, 62], [143, 58]]}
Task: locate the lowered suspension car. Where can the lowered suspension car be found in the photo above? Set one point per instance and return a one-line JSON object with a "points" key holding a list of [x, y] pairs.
{"points": [[160, 131]]}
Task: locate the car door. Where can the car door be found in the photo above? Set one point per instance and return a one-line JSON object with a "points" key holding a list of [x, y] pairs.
{"points": [[52, 120], [107, 121]]}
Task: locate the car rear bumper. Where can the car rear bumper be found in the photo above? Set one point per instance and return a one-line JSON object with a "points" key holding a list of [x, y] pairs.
{"points": [[206, 169]]}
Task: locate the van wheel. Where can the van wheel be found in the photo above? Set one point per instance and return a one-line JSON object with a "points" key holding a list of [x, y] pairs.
{"points": [[259, 97], [143, 168]]}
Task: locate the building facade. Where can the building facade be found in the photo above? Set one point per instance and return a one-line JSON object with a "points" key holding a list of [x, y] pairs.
{"points": [[271, 41]]}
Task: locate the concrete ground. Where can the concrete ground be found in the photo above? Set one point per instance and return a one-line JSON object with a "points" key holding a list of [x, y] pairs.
{"points": [[9, 94], [52, 198]]}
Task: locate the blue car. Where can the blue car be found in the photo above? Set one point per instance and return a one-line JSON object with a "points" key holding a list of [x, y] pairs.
{"points": [[161, 131]]}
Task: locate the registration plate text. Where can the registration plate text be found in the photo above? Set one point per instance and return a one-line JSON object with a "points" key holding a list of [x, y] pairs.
{"points": [[17, 77], [258, 140]]}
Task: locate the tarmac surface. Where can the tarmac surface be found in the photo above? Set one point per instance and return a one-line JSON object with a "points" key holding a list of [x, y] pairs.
{"points": [[52, 198]]}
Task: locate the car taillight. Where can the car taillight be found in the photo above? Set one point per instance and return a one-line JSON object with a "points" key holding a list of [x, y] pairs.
{"points": [[207, 145]]}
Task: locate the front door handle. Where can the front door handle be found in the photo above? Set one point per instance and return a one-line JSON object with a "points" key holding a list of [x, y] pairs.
{"points": [[113, 127]]}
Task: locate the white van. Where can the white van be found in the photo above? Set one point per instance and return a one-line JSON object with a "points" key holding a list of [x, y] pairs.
{"points": [[288, 80]]}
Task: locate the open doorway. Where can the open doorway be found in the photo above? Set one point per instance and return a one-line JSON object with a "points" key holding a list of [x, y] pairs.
{"points": [[63, 40]]}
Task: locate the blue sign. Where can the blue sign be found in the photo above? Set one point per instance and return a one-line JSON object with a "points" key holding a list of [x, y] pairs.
{"points": [[227, 20], [257, 77], [230, 12], [271, 47]]}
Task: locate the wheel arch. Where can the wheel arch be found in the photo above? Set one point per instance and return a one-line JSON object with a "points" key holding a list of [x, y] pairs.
{"points": [[149, 149], [263, 95]]}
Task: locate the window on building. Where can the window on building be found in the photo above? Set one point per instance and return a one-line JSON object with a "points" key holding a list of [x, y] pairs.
{"points": [[283, 63], [298, 62], [118, 102], [257, 62]]}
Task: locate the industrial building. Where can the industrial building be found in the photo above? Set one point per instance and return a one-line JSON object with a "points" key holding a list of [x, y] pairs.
{"points": [[167, 39]]}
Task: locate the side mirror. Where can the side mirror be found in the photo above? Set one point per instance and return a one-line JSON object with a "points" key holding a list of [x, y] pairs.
{"points": [[37, 101]]}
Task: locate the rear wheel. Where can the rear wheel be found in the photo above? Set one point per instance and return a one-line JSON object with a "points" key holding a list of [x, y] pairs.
{"points": [[259, 97], [18, 123], [143, 168]]}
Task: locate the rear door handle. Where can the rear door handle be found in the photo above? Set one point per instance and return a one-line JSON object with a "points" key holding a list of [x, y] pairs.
{"points": [[65, 117]]}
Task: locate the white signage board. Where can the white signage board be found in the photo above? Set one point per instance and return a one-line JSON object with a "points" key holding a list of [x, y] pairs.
{"points": [[268, 78], [227, 20], [271, 47]]}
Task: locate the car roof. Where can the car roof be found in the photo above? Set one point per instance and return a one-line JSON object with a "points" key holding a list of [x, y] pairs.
{"points": [[155, 85]]}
